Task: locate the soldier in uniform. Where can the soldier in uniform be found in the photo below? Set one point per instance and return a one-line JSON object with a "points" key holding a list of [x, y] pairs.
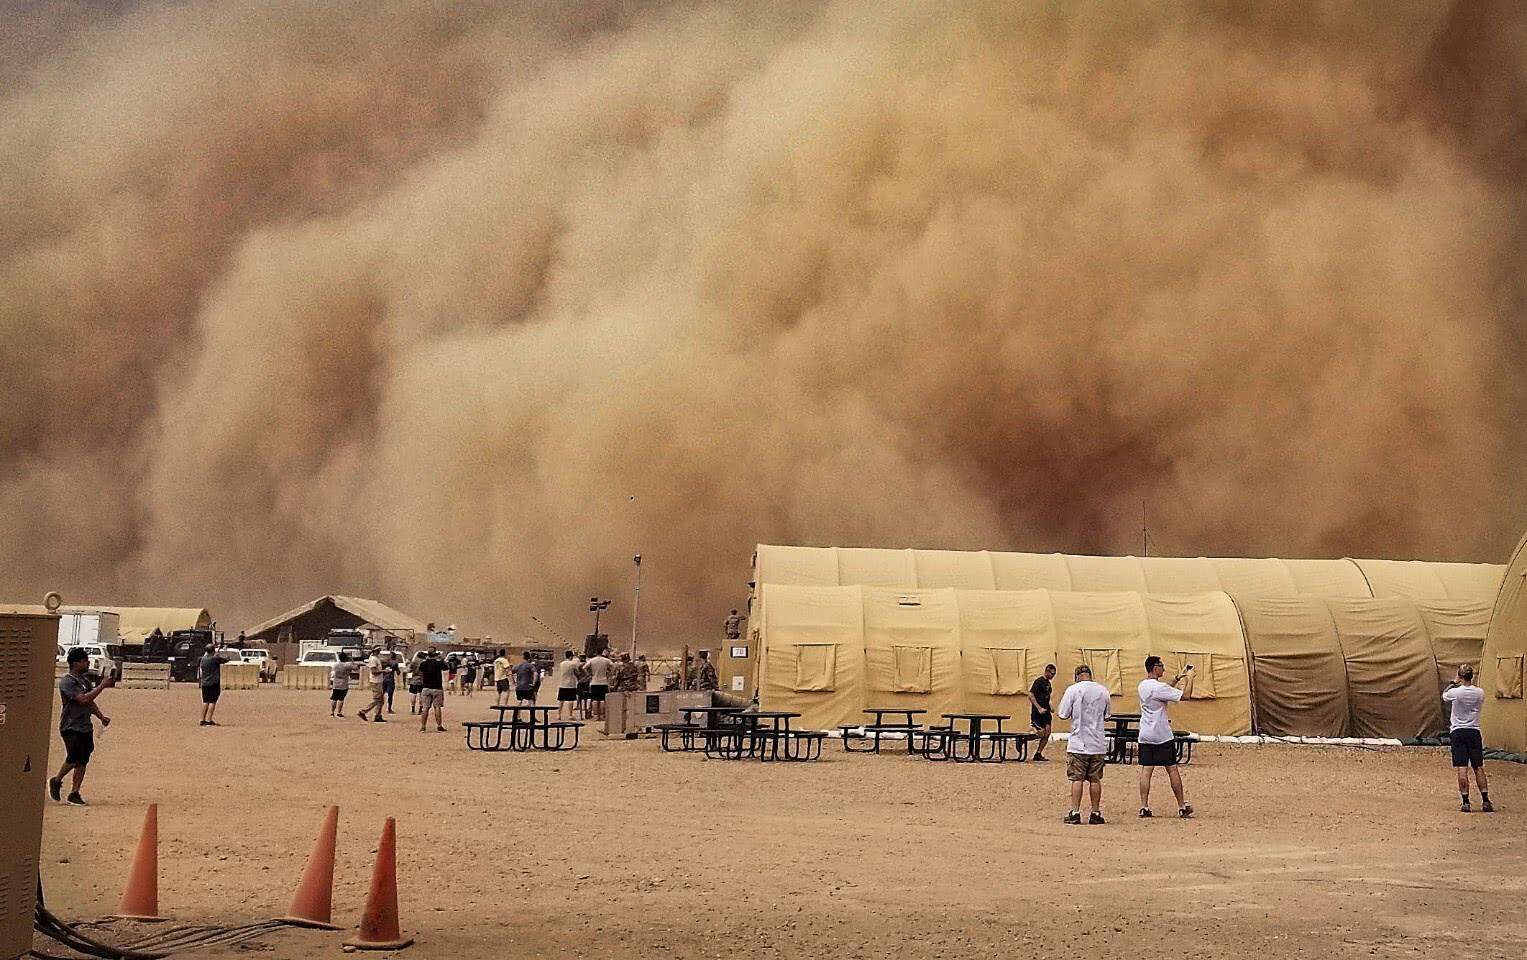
{"points": [[626, 676], [734, 626], [705, 673]]}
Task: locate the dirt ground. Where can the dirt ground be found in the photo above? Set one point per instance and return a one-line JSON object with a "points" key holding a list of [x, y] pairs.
{"points": [[619, 850]]}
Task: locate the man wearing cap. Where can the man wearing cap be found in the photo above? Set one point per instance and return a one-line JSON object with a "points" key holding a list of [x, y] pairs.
{"points": [[376, 675], [78, 694], [1158, 745], [1087, 705], [1464, 700]]}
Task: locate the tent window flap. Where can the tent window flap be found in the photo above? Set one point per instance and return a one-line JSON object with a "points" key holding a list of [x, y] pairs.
{"points": [[1508, 678], [1104, 664], [1007, 671], [912, 669], [1203, 672], [816, 666]]}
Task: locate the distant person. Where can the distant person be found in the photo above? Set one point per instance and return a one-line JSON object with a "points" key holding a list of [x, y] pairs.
{"points": [[601, 671], [567, 686], [453, 667], [209, 676], [432, 691], [1158, 745], [376, 672], [469, 675], [415, 683], [501, 670], [583, 686], [626, 676], [77, 693], [392, 664], [734, 626], [1465, 699], [644, 672], [339, 687], [706, 677], [526, 676], [1039, 712], [1087, 705]]}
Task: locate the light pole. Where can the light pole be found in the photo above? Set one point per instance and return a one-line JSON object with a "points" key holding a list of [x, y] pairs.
{"points": [[636, 605], [596, 606]]}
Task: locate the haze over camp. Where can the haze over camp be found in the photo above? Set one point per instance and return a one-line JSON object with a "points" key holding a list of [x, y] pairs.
{"points": [[786, 479]]}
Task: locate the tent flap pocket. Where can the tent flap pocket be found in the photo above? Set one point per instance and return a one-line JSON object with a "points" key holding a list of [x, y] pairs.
{"points": [[816, 666], [1007, 671], [911, 669], [1203, 673], [1104, 663], [1508, 678]]}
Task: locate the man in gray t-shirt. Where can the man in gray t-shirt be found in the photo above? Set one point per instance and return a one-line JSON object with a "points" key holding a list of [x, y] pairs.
{"points": [[77, 694], [209, 675]]}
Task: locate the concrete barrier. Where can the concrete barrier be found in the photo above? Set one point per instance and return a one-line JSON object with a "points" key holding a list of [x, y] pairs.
{"points": [[305, 677], [146, 676], [240, 676]]}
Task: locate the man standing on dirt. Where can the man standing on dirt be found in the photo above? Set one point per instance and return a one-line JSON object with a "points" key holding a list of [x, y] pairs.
{"points": [[1087, 705], [625, 675], [339, 686], [706, 677], [78, 693], [392, 663], [1039, 712], [501, 670], [734, 626], [567, 687], [600, 669], [526, 676], [1158, 745], [209, 677], [432, 691], [376, 674], [1465, 700]]}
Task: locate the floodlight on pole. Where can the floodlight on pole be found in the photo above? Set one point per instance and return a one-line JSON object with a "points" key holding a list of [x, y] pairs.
{"points": [[596, 606]]}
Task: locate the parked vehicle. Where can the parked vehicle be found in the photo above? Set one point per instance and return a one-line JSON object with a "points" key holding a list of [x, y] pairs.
{"points": [[262, 658], [101, 663]]}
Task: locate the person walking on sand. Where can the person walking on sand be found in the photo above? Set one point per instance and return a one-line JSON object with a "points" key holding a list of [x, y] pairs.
{"points": [[432, 691], [376, 673], [392, 663], [601, 670], [77, 694], [567, 687], [209, 677], [1087, 705], [1465, 699], [1158, 745], [501, 681], [526, 676], [415, 682], [339, 687], [1039, 712]]}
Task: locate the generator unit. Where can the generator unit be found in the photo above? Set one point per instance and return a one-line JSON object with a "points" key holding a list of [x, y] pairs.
{"points": [[28, 645]]}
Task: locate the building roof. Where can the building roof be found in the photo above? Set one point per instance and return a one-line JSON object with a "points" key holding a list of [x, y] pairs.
{"points": [[373, 612]]}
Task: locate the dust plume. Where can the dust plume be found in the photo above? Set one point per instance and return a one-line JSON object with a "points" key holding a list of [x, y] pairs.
{"points": [[458, 307]]}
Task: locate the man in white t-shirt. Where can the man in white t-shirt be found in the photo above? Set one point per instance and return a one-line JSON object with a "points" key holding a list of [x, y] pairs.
{"points": [[1465, 700], [376, 675], [601, 668], [1158, 745], [1086, 704]]}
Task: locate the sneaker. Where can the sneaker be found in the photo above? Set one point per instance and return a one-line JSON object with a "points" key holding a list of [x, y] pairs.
{"points": [[380, 719], [201, 723], [1185, 811], [1488, 807], [55, 788], [1041, 758], [1145, 812], [441, 729], [1096, 818], [361, 717], [77, 800], [1466, 808], [1075, 816]]}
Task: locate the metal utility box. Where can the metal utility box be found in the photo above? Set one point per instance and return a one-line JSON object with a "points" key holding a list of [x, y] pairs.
{"points": [[28, 645], [638, 712]]}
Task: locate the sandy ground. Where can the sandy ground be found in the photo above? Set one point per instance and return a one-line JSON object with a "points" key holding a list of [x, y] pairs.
{"points": [[619, 850]]}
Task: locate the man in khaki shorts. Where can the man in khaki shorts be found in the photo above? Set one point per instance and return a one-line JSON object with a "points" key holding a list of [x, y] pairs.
{"points": [[1087, 705]]}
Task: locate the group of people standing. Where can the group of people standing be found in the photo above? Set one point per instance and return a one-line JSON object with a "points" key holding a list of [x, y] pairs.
{"points": [[584, 682]]}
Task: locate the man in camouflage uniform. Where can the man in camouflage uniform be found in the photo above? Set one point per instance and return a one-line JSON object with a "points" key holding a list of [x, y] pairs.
{"points": [[705, 673], [626, 676]]}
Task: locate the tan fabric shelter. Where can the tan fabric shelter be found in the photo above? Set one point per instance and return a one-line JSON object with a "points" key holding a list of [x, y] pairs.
{"points": [[136, 623], [1302, 647], [1504, 721]]}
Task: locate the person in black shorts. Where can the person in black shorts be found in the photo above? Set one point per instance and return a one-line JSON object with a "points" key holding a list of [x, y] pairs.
{"points": [[1464, 700], [1039, 711], [77, 693], [583, 686]]}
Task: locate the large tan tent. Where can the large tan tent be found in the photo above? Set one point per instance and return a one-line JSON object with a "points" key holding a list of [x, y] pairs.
{"points": [[1504, 721], [1288, 647]]}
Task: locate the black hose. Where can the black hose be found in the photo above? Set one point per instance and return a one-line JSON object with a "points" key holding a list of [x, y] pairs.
{"points": [[45, 923]]}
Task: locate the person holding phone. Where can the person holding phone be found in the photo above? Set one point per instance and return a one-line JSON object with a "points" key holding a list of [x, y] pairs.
{"points": [[1158, 744], [1465, 700], [78, 692]]}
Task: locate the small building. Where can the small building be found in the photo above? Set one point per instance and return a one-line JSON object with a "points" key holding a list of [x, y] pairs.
{"points": [[283, 635]]}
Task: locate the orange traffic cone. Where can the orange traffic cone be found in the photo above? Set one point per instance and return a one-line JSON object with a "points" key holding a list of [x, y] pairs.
{"points": [[140, 899], [313, 903], [379, 924]]}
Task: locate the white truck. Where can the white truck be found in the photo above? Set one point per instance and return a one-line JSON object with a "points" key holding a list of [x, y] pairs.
{"points": [[95, 631]]}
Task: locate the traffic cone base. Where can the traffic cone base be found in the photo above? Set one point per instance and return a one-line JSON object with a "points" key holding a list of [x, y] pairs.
{"points": [[140, 898], [379, 944], [313, 903]]}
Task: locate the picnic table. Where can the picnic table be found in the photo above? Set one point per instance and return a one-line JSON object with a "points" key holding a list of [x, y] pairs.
{"points": [[528, 727], [976, 743], [1123, 731], [872, 732], [762, 735], [691, 733]]}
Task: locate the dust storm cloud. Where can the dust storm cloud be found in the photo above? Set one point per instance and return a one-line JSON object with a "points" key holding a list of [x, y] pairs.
{"points": [[459, 307]]}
